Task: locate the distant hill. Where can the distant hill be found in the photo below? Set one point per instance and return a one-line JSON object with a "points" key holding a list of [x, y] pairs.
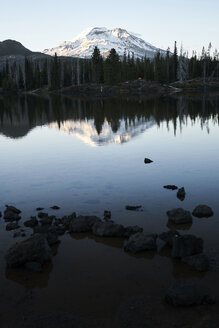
{"points": [[15, 48]]}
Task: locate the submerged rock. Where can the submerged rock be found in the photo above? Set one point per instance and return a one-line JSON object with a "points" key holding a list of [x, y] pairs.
{"points": [[179, 216], [186, 245], [32, 222], [186, 293], [34, 249], [181, 194], [168, 236], [199, 261], [83, 223], [12, 226], [171, 187], [140, 241], [148, 161], [133, 208], [108, 229], [55, 207], [203, 211]]}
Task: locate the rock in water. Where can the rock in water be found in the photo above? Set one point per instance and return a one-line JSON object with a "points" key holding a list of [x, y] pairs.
{"points": [[171, 187], [148, 161], [34, 249], [13, 209], [83, 223], [133, 208], [11, 214], [181, 194], [168, 236], [179, 216], [199, 261], [203, 211], [131, 230], [107, 215], [31, 223], [108, 229], [186, 245], [140, 241], [34, 266], [12, 226], [55, 207]]}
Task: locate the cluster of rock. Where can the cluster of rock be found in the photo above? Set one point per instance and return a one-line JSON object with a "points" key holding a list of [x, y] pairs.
{"points": [[181, 194]]}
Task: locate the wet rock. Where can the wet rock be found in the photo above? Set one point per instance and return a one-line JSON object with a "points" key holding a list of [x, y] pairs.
{"points": [[160, 244], [171, 187], [148, 161], [140, 241], [83, 223], [42, 215], [49, 232], [107, 215], [131, 230], [168, 236], [55, 207], [60, 229], [39, 209], [17, 234], [12, 226], [45, 219], [186, 293], [203, 211], [133, 208], [34, 266], [199, 261], [179, 216], [12, 209], [67, 219], [32, 222], [108, 229], [181, 194], [186, 245], [11, 214], [35, 248]]}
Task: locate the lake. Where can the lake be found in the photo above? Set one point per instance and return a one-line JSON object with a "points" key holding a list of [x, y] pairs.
{"points": [[87, 156]]}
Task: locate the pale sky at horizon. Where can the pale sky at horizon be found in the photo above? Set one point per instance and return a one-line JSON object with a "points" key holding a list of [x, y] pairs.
{"points": [[44, 24]]}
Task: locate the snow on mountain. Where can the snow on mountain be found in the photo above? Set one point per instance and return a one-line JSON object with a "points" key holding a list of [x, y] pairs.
{"points": [[82, 46]]}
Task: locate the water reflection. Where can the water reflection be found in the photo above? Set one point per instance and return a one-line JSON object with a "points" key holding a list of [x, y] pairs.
{"points": [[100, 122]]}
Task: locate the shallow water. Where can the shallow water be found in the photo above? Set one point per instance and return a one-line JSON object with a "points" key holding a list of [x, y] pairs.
{"points": [[88, 156]]}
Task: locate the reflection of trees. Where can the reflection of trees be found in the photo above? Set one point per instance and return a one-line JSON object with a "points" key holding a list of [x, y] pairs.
{"points": [[18, 115]]}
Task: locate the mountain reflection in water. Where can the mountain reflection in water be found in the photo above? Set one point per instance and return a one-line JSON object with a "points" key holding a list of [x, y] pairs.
{"points": [[100, 122]]}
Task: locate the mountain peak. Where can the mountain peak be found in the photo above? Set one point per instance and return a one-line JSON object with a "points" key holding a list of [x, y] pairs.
{"points": [[105, 39]]}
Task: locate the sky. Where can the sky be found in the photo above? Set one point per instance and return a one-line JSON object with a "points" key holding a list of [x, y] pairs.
{"points": [[43, 24]]}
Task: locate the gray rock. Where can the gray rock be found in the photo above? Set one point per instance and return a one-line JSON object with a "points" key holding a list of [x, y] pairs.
{"points": [[168, 236], [83, 223], [186, 245], [140, 241], [10, 216], [179, 216], [31, 223], [42, 215], [45, 219], [184, 293], [39, 209], [181, 194], [107, 215], [203, 211], [49, 232], [67, 219], [199, 261], [148, 161], [12, 226], [131, 230], [55, 207], [12, 209], [33, 249], [34, 266], [108, 229], [171, 187], [133, 208]]}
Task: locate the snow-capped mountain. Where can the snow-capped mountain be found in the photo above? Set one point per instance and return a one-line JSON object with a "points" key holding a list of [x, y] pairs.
{"points": [[83, 45]]}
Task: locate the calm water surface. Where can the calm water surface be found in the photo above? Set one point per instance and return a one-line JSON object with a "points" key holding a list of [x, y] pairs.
{"points": [[88, 156]]}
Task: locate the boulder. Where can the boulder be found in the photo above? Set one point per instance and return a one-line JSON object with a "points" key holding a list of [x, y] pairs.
{"points": [[186, 245], [185, 293], [179, 216], [108, 229], [181, 194], [199, 261], [168, 236], [12, 226], [133, 208], [49, 232], [148, 161], [10, 215], [65, 220], [83, 223], [34, 249], [131, 230], [202, 211], [12, 209], [32, 222], [140, 241], [171, 187]]}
